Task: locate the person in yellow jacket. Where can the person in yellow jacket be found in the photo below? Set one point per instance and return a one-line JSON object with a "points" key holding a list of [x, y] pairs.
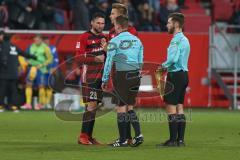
{"points": [[36, 72]]}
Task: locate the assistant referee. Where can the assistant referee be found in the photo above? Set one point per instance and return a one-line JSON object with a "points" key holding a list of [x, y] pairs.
{"points": [[126, 51], [177, 67]]}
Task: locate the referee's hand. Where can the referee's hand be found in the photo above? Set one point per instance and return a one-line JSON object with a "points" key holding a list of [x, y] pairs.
{"points": [[104, 87], [160, 68]]}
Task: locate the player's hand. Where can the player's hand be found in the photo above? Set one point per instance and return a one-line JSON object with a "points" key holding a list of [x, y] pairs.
{"points": [[160, 68], [100, 58], [38, 66], [53, 70], [104, 87], [104, 44]]}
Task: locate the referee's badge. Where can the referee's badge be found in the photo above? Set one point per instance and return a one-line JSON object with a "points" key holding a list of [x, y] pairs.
{"points": [[175, 43], [111, 46], [125, 44]]}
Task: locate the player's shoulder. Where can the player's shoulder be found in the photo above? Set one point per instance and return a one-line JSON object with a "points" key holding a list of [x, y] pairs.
{"points": [[114, 39], [112, 30], [186, 42], [132, 30], [102, 35], [183, 39], [53, 48], [134, 37], [84, 35], [32, 45], [44, 45], [186, 38]]}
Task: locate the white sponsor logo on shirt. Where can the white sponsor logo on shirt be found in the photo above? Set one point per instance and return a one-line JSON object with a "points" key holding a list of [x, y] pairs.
{"points": [[78, 45], [13, 50]]}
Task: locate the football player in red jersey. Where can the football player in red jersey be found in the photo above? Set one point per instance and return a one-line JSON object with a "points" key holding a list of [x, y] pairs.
{"points": [[119, 9], [91, 56]]}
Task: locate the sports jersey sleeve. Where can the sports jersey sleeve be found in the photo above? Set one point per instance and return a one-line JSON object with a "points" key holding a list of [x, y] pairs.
{"points": [[173, 54], [140, 57], [49, 57], [28, 52], [24, 54], [111, 52], [81, 45], [55, 56], [81, 51]]}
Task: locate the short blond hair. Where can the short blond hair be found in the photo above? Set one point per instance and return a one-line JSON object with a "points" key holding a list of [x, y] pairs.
{"points": [[121, 8]]}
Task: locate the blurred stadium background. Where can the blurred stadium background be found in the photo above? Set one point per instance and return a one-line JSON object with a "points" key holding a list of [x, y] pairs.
{"points": [[213, 28]]}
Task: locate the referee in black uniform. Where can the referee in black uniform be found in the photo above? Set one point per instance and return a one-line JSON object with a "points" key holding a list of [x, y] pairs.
{"points": [[177, 67]]}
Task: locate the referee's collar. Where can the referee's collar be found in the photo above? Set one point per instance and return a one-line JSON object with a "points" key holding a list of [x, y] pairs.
{"points": [[125, 31], [178, 34]]}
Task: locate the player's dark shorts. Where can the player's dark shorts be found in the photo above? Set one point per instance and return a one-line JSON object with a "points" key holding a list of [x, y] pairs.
{"points": [[92, 91], [177, 83], [125, 87]]}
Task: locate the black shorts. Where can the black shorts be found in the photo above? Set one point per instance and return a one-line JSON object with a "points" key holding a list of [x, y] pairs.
{"points": [[92, 92], [177, 83], [125, 87]]}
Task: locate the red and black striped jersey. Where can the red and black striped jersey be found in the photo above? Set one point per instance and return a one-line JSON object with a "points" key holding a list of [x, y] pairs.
{"points": [[87, 48], [112, 33]]}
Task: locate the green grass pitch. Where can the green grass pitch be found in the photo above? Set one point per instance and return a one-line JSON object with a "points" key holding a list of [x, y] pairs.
{"points": [[210, 134]]}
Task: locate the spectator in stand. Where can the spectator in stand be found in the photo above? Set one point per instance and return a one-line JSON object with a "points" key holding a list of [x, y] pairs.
{"points": [[102, 6], [181, 4], [146, 17], [169, 7], [24, 14], [155, 4], [81, 13], [136, 3], [47, 10], [3, 14], [132, 13]]}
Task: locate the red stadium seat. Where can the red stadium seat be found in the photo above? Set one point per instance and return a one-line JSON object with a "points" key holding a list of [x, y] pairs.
{"points": [[236, 4], [220, 14], [192, 1], [193, 11], [197, 23]]}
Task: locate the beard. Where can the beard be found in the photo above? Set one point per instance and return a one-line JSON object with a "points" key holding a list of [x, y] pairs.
{"points": [[171, 30], [97, 30]]}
